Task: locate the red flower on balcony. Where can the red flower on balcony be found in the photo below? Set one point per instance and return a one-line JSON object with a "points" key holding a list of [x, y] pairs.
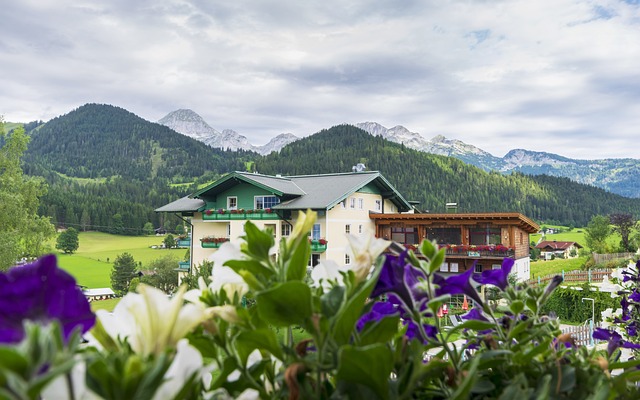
{"points": [[212, 239], [208, 212], [322, 242], [268, 210]]}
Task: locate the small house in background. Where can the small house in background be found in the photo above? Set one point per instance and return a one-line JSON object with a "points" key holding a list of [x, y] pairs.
{"points": [[98, 294], [554, 249]]}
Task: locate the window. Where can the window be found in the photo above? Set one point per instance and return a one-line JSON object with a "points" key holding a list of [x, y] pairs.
{"points": [[360, 229], [478, 268], [444, 267], [347, 228], [405, 234], [347, 259], [264, 202], [378, 205], [314, 260], [496, 266], [445, 235], [343, 204], [286, 229], [361, 204], [484, 234], [352, 202], [232, 203], [315, 232], [453, 267], [228, 230]]}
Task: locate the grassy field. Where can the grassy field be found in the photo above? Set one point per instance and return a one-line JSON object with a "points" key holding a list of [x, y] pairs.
{"points": [[91, 264], [543, 268]]}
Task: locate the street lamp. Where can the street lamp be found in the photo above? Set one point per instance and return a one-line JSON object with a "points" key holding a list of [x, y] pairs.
{"points": [[593, 314]]}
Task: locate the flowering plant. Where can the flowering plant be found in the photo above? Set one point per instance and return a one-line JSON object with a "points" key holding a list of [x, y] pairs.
{"points": [[213, 239], [371, 330]]}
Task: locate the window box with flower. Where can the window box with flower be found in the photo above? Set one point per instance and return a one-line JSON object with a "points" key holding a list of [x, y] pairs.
{"points": [[211, 242], [318, 245]]}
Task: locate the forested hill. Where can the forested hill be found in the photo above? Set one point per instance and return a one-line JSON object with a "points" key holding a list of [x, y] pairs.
{"points": [[435, 180], [108, 169], [101, 141]]}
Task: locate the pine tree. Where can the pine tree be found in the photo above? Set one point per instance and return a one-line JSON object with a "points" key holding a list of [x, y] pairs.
{"points": [[124, 268]]}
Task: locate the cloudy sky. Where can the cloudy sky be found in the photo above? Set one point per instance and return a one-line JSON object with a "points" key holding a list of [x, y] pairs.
{"points": [[561, 76]]}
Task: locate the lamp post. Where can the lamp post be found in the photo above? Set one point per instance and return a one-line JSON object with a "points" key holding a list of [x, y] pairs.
{"points": [[593, 314]]}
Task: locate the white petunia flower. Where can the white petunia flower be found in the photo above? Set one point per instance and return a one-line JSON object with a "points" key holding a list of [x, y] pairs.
{"points": [[224, 277], [365, 248], [150, 321]]}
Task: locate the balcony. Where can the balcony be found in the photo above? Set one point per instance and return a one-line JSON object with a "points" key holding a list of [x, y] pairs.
{"points": [[226, 215], [318, 246], [185, 243], [472, 251], [212, 242], [184, 266], [496, 250]]}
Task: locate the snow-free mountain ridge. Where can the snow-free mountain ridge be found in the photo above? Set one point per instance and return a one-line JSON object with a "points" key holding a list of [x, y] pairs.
{"points": [[620, 176]]}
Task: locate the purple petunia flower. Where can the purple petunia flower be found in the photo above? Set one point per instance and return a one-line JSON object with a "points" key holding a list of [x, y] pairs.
{"points": [[614, 339], [475, 314], [380, 309], [458, 284], [635, 296], [399, 277], [41, 292], [496, 277], [413, 331]]}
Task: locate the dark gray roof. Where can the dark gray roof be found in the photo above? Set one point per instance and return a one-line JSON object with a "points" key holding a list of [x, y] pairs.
{"points": [[327, 190], [282, 184], [184, 204]]}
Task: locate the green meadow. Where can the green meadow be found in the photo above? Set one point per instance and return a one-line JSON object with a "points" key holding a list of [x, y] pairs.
{"points": [[91, 265]]}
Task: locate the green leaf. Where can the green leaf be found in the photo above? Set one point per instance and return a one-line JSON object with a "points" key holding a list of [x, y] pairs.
{"points": [[464, 389], [369, 366], [437, 261], [345, 320], [566, 376], [476, 325], [261, 339], [285, 304], [12, 360], [332, 301], [254, 267], [296, 265], [517, 306], [427, 249], [380, 331], [533, 305], [258, 242]]}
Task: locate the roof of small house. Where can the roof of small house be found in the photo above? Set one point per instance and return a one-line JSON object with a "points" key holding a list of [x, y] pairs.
{"points": [[555, 245], [321, 191]]}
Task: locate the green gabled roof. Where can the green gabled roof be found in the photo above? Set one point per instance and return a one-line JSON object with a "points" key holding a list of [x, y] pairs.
{"points": [[277, 185]]}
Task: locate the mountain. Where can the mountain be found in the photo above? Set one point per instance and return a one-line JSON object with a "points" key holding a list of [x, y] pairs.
{"points": [[620, 176], [192, 125], [434, 180], [102, 141]]}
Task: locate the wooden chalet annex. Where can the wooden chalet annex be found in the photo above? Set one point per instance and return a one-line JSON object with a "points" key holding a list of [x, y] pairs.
{"points": [[474, 240]]}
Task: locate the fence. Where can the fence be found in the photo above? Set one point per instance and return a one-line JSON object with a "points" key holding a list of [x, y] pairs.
{"points": [[576, 276], [603, 258], [581, 334]]}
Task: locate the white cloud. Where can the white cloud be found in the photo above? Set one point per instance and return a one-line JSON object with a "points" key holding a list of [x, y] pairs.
{"points": [[548, 75]]}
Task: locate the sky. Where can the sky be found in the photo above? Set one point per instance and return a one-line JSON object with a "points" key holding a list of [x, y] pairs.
{"points": [[561, 76]]}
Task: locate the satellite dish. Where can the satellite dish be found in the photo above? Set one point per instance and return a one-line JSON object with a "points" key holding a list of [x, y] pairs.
{"points": [[358, 167]]}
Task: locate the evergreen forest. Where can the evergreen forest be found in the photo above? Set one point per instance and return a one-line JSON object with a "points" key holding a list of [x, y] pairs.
{"points": [[108, 169]]}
